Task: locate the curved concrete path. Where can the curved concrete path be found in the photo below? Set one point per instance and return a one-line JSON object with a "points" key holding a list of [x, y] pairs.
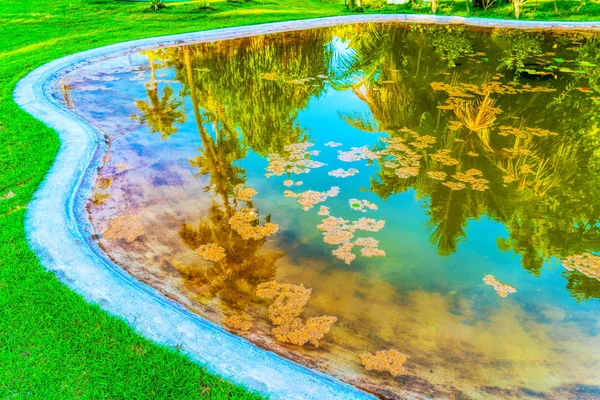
{"points": [[58, 229]]}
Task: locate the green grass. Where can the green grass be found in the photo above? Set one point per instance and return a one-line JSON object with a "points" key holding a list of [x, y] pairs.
{"points": [[53, 345]]}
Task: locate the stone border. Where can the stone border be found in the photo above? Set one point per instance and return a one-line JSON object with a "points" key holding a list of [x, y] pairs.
{"points": [[58, 229]]}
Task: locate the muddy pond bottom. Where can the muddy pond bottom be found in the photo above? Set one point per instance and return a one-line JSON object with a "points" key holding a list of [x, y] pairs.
{"points": [[411, 209]]}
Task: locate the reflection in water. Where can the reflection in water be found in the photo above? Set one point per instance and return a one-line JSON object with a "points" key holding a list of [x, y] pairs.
{"points": [[349, 197]]}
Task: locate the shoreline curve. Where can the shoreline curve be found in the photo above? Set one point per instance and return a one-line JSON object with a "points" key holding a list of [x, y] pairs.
{"points": [[59, 231]]}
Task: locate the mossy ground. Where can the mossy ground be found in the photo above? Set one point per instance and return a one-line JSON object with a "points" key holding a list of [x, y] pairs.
{"points": [[53, 345]]}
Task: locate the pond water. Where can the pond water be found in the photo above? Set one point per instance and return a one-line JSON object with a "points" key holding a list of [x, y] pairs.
{"points": [[411, 209]]}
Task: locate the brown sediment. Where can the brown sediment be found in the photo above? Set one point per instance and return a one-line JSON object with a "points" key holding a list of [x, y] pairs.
{"points": [[502, 289], [99, 198], [586, 263], [128, 227], [338, 231], [288, 304], [244, 193], [211, 252], [391, 361], [244, 222], [119, 168]]}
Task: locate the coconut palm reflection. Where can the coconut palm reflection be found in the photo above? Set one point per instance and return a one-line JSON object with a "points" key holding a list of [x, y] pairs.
{"points": [[482, 140], [160, 113], [536, 178]]}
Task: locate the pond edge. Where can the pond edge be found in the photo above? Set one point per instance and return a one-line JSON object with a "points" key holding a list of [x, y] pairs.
{"points": [[58, 229]]}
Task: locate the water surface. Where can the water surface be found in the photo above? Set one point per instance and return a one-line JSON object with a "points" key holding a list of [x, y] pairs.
{"points": [[331, 194]]}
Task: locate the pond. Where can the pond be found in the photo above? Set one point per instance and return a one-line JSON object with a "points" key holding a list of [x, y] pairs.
{"points": [[412, 209]]}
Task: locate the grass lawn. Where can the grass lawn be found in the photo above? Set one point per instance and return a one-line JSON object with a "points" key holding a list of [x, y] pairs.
{"points": [[53, 345]]}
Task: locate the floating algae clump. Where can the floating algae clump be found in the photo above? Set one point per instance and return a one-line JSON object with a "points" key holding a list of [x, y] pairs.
{"points": [[239, 321], [323, 211], [586, 263], [288, 304], [244, 193], [342, 173], [211, 252], [502, 289], [443, 157], [296, 161], [362, 205], [308, 199], [129, 227], [338, 231], [391, 361], [245, 223], [474, 178], [333, 144], [437, 175], [357, 154]]}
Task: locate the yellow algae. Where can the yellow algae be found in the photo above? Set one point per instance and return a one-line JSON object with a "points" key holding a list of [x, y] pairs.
{"points": [[391, 361], [362, 205], [296, 160], [308, 199], [119, 168], [472, 154], [333, 144], [366, 242], [357, 154], [288, 183], [443, 156], [344, 253], [438, 175], [105, 183], [502, 289], [586, 263], [288, 304], [407, 172], [323, 211], [473, 178], [128, 227], [244, 222], [244, 193], [372, 252], [342, 173], [455, 185], [368, 224], [300, 332], [288, 300], [238, 321], [99, 198], [211, 252], [298, 183], [524, 132], [337, 237]]}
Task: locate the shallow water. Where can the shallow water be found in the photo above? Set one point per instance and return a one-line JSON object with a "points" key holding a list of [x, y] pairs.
{"points": [[462, 154]]}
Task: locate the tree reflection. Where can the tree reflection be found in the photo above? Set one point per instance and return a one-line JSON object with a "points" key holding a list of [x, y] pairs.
{"points": [[473, 133]]}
